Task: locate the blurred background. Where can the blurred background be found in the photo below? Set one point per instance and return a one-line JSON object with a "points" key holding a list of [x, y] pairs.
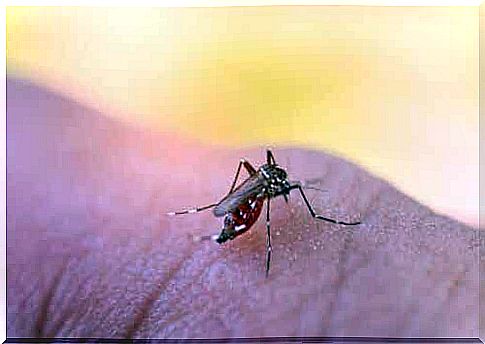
{"points": [[394, 89]]}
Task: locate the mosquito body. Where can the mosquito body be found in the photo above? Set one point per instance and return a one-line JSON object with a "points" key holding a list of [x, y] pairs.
{"points": [[242, 205]]}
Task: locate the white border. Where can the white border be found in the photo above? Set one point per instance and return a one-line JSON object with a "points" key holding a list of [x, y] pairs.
{"points": [[151, 3], [3, 180], [224, 3]]}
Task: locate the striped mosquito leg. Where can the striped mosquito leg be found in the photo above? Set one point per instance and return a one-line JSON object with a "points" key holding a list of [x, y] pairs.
{"points": [[320, 217], [268, 239], [247, 165], [192, 210], [249, 168]]}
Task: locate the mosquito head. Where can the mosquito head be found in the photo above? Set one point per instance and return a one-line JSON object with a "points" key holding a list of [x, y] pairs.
{"points": [[279, 173]]}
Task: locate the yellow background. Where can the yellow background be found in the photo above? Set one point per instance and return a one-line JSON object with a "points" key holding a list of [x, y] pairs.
{"points": [[392, 88]]}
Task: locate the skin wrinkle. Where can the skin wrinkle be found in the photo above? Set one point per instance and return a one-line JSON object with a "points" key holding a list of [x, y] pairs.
{"points": [[185, 322], [44, 272], [132, 283], [23, 304], [30, 296], [172, 302], [46, 304], [74, 315], [175, 268], [76, 312], [210, 313], [153, 297], [147, 314]]}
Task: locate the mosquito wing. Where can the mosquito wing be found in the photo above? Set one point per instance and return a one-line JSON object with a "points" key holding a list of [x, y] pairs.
{"points": [[249, 188]]}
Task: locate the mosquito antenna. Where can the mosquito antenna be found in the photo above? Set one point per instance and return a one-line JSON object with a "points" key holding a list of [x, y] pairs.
{"points": [[306, 183], [305, 186], [288, 169], [313, 188], [288, 164]]}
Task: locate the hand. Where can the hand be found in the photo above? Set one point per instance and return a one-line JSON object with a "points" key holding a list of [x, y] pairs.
{"points": [[91, 253]]}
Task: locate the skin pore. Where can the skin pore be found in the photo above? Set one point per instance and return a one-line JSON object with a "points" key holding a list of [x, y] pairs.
{"points": [[90, 252]]}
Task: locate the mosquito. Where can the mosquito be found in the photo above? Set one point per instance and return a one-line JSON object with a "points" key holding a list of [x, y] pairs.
{"points": [[242, 205]]}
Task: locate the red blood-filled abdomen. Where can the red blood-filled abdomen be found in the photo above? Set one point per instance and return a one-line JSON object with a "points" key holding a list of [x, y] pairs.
{"points": [[247, 214]]}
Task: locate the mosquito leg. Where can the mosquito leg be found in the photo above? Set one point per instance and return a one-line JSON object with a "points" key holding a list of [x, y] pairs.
{"points": [[269, 248], [270, 158], [247, 165], [241, 162], [192, 210], [197, 238], [312, 212], [248, 168]]}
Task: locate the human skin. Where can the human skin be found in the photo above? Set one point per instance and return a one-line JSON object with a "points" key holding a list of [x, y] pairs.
{"points": [[91, 253]]}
